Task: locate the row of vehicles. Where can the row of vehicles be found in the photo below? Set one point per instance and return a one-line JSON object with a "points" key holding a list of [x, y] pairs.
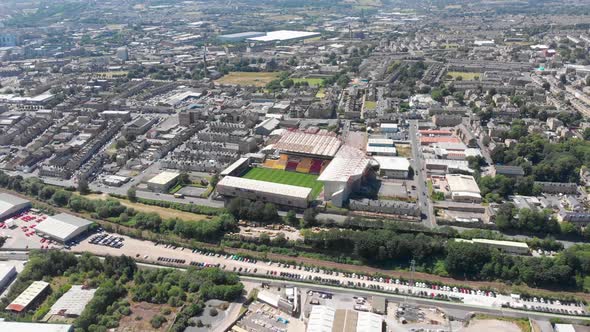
{"points": [[107, 240]]}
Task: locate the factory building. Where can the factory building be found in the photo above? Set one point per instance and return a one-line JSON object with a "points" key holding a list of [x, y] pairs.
{"points": [[393, 167], [62, 227], [7, 274], [30, 295], [34, 327], [163, 181], [325, 319], [512, 247], [11, 204], [463, 188]]}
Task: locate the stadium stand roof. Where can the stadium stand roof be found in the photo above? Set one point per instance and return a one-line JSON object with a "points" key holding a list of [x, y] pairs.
{"points": [[349, 162], [265, 187], [310, 144]]}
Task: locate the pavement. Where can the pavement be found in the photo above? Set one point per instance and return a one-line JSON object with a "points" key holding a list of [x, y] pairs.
{"points": [[272, 270]]}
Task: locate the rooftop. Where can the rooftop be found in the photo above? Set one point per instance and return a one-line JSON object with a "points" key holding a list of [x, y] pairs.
{"points": [[73, 301], [33, 327], [265, 187], [349, 162], [393, 163], [164, 178], [311, 144], [284, 35], [27, 296], [462, 183], [62, 225]]}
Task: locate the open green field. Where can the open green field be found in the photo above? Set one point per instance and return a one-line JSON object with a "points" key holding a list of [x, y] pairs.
{"points": [[258, 79], [285, 177], [467, 76], [311, 81]]}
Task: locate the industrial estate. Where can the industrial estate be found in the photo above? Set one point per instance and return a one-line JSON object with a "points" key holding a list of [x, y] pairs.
{"points": [[294, 165]]}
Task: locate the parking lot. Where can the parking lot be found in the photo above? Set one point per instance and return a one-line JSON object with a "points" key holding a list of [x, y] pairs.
{"points": [[20, 232], [176, 256]]}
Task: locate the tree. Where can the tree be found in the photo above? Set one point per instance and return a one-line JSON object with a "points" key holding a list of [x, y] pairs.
{"points": [[132, 194], [308, 218], [466, 259], [269, 213], [291, 217], [184, 179], [83, 188]]}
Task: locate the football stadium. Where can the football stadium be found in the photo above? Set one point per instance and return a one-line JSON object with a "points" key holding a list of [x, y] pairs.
{"points": [[297, 170]]}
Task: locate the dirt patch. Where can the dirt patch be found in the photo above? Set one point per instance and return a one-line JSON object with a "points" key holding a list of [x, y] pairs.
{"points": [[146, 311], [492, 325]]}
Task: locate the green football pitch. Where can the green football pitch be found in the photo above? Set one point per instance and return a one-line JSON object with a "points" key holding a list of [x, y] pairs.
{"points": [[285, 177]]}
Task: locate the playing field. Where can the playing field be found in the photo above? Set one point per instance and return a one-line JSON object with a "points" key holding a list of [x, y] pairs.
{"points": [[258, 79], [285, 177], [464, 75], [310, 80]]}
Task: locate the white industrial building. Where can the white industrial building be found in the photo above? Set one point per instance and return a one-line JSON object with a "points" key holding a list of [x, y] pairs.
{"points": [[276, 193], [7, 274], [512, 247], [163, 181], [73, 302], [28, 296], [393, 167], [11, 204], [463, 188], [62, 227], [326, 319], [34, 327], [344, 174]]}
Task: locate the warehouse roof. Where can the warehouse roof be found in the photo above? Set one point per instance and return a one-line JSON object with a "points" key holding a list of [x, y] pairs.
{"points": [[369, 322], [8, 201], [380, 141], [321, 319], [265, 187], [164, 178], [33, 327], [284, 35], [73, 301], [382, 149], [312, 144], [462, 183], [393, 163], [27, 296], [62, 225]]}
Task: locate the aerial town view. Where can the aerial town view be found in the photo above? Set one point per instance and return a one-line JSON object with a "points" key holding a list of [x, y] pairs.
{"points": [[295, 165]]}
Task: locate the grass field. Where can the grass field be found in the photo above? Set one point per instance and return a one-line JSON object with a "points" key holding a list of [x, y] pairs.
{"points": [[311, 81], [370, 105], [467, 76], [321, 93], [258, 79], [284, 177], [165, 213]]}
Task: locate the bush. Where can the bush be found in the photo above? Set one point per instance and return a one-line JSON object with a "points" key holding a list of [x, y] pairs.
{"points": [[157, 321], [213, 312], [166, 311]]}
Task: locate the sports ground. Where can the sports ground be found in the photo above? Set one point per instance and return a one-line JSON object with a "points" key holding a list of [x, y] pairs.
{"points": [[285, 177]]}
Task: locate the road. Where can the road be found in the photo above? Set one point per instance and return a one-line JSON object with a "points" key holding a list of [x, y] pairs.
{"points": [[422, 187], [396, 298], [147, 252]]}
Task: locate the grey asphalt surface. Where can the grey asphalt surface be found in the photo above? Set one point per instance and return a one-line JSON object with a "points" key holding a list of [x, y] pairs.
{"points": [[423, 200]]}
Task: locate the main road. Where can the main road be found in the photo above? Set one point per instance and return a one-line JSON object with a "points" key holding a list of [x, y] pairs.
{"points": [[147, 254], [424, 201]]}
